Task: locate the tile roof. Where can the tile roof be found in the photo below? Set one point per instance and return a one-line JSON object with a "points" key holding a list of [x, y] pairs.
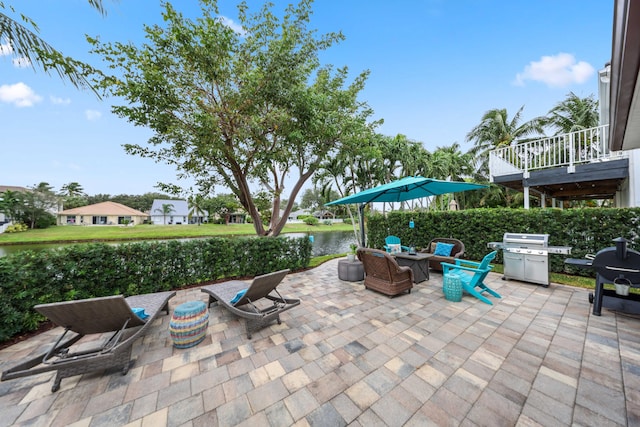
{"points": [[4, 188], [104, 208]]}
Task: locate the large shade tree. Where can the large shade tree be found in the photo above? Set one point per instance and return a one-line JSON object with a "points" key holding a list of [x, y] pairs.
{"points": [[238, 109]]}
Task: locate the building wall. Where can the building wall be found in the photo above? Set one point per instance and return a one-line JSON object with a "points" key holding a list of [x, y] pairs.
{"points": [[171, 219], [88, 219], [628, 196]]}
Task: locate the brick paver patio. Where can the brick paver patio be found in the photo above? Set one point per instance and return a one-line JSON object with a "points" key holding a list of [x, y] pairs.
{"points": [[350, 356]]}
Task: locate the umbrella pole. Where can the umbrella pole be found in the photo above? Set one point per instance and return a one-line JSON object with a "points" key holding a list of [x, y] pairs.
{"points": [[362, 234]]}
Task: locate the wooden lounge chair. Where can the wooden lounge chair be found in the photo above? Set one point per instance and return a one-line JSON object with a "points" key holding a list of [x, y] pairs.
{"points": [[113, 315], [250, 305], [472, 275]]}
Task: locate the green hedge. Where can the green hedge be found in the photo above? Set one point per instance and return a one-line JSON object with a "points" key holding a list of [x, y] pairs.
{"points": [[585, 230], [98, 269]]}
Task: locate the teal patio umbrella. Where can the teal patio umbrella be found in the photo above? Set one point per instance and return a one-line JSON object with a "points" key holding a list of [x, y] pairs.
{"points": [[407, 188]]}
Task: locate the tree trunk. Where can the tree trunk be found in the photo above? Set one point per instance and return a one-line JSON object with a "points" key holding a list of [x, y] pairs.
{"points": [[276, 227]]}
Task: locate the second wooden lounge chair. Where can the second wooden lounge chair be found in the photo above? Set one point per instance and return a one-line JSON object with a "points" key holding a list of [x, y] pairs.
{"points": [[101, 315], [244, 299]]}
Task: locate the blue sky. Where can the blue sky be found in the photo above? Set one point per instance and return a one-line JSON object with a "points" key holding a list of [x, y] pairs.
{"points": [[436, 67]]}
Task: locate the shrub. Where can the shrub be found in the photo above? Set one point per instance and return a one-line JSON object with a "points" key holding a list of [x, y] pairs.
{"points": [[98, 269], [327, 222], [17, 228], [311, 220], [585, 230]]}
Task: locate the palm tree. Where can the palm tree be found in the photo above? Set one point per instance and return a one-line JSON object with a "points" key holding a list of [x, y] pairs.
{"points": [[496, 130], [72, 189], [573, 114], [29, 48], [196, 207], [11, 204], [415, 159], [452, 165], [167, 209], [73, 195]]}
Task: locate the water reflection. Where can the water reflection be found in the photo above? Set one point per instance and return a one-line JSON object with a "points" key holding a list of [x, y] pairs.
{"points": [[330, 242], [325, 243]]}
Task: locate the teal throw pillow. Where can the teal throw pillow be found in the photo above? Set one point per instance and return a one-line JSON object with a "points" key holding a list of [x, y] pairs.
{"points": [[443, 249], [238, 296], [138, 311]]}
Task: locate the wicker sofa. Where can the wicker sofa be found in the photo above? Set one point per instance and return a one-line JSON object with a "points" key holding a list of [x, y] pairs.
{"points": [[383, 274], [456, 252]]}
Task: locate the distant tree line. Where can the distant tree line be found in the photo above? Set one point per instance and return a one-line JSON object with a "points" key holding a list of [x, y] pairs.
{"points": [[37, 206]]}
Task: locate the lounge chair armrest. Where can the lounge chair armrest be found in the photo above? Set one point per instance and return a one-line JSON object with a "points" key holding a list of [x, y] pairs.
{"points": [[467, 262], [446, 266]]}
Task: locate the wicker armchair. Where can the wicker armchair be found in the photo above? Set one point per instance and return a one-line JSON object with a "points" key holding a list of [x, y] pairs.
{"points": [[383, 274]]}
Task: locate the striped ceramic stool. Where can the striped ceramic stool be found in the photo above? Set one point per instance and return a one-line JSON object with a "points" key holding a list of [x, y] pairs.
{"points": [[189, 323]]}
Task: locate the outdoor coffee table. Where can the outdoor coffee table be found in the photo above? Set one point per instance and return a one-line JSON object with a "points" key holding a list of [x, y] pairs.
{"points": [[419, 263]]}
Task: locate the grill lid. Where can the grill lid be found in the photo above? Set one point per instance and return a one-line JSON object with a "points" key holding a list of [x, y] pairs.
{"points": [[618, 262], [525, 240]]}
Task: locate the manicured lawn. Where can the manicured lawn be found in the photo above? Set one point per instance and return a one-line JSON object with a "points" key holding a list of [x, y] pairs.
{"points": [[139, 232]]}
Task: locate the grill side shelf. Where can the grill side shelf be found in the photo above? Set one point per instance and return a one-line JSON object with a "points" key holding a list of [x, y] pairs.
{"points": [[579, 262]]}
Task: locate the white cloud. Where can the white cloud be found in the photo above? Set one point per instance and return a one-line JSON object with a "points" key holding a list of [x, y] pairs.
{"points": [[232, 24], [59, 101], [92, 115], [5, 49], [22, 62], [19, 94], [559, 70]]}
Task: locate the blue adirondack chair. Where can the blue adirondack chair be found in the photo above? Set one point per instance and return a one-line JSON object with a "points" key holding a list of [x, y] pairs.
{"points": [[472, 275], [393, 240]]}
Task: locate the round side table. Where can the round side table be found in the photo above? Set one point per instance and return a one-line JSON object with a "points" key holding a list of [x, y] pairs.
{"points": [[452, 287], [350, 271], [188, 325]]}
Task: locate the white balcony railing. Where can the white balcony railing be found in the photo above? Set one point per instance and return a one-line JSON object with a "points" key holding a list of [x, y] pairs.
{"points": [[570, 149]]}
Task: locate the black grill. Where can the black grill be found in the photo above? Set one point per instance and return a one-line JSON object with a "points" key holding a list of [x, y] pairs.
{"points": [[615, 265]]}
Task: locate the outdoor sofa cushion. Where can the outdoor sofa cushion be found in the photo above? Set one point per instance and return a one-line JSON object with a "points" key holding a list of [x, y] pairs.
{"points": [[456, 252]]}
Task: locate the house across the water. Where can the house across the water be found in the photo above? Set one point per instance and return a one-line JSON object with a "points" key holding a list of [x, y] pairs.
{"points": [[105, 213], [172, 212]]}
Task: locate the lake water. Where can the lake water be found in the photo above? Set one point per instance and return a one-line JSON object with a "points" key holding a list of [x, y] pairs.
{"points": [[325, 243]]}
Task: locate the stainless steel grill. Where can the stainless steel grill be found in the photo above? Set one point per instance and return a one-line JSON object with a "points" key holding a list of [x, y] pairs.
{"points": [[526, 256]]}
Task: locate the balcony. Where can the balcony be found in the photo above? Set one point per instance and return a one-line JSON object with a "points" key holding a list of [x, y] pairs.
{"points": [[577, 165]]}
